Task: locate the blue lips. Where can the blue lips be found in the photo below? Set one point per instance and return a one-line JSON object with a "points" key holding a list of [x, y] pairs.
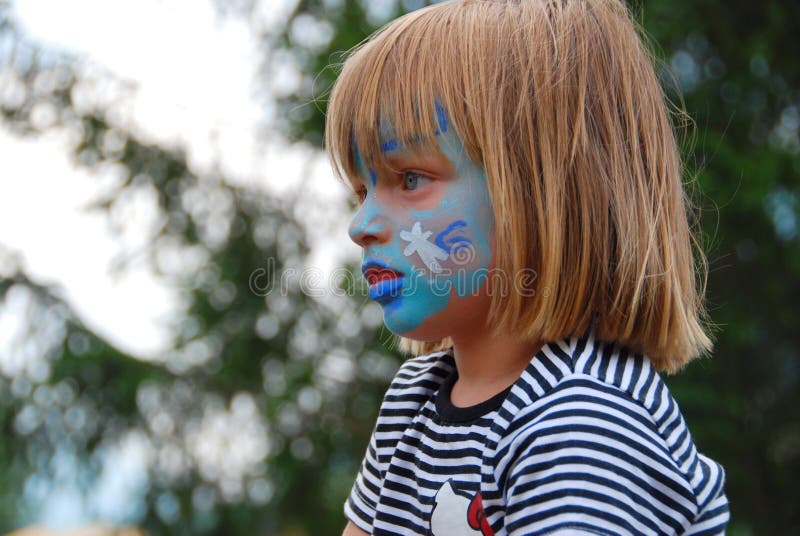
{"points": [[386, 290]]}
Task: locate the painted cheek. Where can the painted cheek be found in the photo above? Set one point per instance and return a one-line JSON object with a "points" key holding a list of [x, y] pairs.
{"points": [[453, 239], [423, 248], [477, 205]]}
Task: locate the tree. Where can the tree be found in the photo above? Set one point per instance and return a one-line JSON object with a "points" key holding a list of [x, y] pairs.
{"points": [[266, 399]]}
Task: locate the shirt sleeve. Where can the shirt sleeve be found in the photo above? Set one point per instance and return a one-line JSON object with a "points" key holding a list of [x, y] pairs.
{"points": [[594, 462], [360, 505], [714, 515]]}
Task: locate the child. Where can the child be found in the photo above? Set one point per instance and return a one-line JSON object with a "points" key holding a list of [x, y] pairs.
{"points": [[523, 224]]}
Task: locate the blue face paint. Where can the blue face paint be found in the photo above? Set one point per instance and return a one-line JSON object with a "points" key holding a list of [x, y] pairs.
{"points": [[441, 118], [451, 240], [425, 258], [393, 144]]}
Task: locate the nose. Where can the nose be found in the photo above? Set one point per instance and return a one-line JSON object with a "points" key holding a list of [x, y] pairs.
{"points": [[369, 226]]}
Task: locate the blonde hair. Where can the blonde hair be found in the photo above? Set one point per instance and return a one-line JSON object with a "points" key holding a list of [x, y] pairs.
{"points": [[559, 101]]}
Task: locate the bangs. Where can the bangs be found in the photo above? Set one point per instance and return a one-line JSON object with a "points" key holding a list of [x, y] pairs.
{"points": [[396, 90]]}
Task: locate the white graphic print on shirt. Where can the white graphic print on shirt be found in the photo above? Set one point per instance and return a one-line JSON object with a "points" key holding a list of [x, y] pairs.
{"points": [[456, 513]]}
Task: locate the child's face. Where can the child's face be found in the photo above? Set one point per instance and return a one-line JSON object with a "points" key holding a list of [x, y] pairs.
{"points": [[427, 235]]}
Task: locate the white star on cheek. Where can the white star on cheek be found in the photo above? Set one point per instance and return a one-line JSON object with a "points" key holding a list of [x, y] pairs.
{"points": [[418, 243]]}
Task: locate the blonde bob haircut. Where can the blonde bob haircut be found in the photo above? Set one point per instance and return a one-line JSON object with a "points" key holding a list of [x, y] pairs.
{"points": [[559, 101]]}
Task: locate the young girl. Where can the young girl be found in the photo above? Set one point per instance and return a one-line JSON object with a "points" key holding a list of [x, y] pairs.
{"points": [[524, 226]]}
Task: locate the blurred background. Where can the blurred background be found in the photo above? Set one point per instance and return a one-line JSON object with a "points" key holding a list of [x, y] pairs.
{"points": [[184, 346]]}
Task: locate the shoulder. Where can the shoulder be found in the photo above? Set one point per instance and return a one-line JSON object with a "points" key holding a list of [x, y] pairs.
{"points": [[592, 423], [594, 395], [569, 378], [599, 391]]}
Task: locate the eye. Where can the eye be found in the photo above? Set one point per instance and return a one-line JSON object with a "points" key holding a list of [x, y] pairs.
{"points": [[411, 180]]}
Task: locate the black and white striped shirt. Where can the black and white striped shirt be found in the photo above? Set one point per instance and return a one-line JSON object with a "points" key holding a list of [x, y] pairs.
{"points": [[588, 440]]}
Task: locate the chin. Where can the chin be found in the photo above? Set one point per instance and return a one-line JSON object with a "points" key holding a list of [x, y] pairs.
{"points": [[460, 315], [408, 326]]}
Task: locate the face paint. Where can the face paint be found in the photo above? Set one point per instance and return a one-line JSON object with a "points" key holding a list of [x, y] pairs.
{"points": [[418, 243], [451, 239], [420, 253]]}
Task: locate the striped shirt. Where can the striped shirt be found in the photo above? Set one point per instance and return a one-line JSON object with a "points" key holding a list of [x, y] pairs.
{"points": [[587, 441]]}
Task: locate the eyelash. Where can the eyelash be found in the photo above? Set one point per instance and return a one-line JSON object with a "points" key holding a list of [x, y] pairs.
{"points": [[360, 193]]}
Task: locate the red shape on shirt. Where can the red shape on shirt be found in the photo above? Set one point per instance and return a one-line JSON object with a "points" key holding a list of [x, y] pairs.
{"points": [[477, 517]]}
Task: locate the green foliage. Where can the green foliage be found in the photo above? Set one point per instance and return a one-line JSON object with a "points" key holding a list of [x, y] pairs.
{"points": [[262, 406], [740, 83], [299, 380]]}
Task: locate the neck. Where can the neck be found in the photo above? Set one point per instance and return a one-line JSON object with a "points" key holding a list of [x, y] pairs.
{"points": [[487, 363]]}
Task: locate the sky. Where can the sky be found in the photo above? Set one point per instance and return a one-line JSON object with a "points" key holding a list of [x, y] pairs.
{"points": [[193, 87]]}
